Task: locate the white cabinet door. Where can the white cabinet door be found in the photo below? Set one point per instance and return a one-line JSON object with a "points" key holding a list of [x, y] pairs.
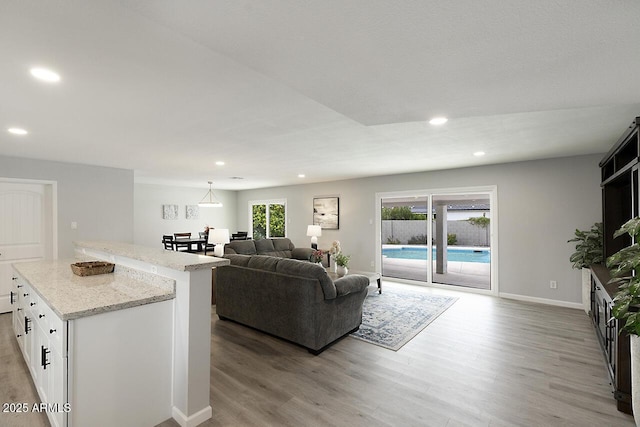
{"points": [[22, 230], [57, 387]]}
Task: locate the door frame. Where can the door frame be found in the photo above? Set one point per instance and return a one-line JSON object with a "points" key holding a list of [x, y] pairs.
{"points": [[492, 190], [51, 212]]}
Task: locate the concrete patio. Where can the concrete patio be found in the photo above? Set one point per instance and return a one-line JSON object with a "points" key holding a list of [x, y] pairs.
{"points": [[469, 274]]}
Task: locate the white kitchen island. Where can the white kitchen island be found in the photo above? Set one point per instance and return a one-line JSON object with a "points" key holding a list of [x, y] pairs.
{"points": [[191, 318], [128, 348]]}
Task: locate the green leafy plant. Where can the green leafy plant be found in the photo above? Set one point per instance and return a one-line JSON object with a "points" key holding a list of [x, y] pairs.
{"points": [[623, 264], [479, 221], [343, 260], [452, 239], [588, 247], [392, 241], [401, 213]]}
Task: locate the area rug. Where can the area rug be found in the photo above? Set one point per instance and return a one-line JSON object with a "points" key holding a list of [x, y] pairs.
{"points": [[393, 318]]}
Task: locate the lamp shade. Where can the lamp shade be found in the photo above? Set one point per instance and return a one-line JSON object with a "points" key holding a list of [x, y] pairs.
{"points": [[218, 236], [314, 230]]}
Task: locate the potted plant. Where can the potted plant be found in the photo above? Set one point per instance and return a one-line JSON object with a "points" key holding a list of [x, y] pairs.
{"points": [[589, 251], [623, 264], [342, 262]]}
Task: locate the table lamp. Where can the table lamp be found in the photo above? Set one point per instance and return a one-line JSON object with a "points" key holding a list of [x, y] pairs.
{"points": [[314, 231], [218, 237]]}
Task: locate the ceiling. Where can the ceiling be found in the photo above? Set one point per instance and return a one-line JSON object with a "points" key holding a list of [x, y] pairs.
{"points": [[331, 89]]}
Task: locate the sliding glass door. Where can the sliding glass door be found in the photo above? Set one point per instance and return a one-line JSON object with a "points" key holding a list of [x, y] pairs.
{"points": [[461, 240], [405, 237], [437, 237]]}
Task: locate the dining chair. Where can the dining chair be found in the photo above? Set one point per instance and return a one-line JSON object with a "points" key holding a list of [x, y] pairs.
{"points": [[182, 246], [167, 241], [206, 245]]}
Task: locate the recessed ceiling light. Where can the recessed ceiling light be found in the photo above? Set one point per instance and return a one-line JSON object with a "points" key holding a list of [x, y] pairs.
{"points": [[437, 121], [45, 74], [219, 163], [17, 131], [479, 153], [301, 175]]}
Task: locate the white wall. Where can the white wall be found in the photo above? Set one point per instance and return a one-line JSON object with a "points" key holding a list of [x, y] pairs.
{"points": [[98, 199], [540, 204], [149, 225]]}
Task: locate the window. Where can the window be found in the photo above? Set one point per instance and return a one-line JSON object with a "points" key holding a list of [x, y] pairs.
{"points": [[268, 218]]}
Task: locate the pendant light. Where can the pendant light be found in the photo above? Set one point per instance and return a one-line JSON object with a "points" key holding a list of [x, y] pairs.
{"points": [[212, 202]]}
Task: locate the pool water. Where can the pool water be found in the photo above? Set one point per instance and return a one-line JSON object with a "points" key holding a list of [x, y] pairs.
{"points": [[420, 252]]}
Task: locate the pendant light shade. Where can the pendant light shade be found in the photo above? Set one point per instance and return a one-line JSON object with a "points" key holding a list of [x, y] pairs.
{"points": [[209, 200]]}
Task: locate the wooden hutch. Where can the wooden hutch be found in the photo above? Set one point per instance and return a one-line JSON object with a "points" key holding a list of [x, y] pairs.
{"points": [[619, 169]]}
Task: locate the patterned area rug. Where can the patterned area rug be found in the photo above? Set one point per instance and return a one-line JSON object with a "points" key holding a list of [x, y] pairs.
{"points": [[393, 318]]}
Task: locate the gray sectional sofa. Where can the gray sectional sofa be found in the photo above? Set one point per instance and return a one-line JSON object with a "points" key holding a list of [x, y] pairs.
{"points": [[278, 247], [289, 298]]}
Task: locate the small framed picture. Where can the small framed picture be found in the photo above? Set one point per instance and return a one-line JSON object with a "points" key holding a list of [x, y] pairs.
{"points": [[193, 212], [326, 212], [169, 211]]}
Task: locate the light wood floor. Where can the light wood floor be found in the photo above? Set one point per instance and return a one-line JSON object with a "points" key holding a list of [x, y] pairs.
{"points": [[484, 362]]}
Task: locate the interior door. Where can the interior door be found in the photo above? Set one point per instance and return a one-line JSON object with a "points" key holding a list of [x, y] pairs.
{"points": [[22, 225]]}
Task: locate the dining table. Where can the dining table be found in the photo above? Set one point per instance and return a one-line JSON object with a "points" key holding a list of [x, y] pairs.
{"points": [[199, 243]]}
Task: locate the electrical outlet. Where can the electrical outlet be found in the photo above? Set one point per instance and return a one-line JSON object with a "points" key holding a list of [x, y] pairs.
{"points": [[553, 284]]}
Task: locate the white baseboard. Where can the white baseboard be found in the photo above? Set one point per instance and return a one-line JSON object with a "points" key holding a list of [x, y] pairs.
{"points": [[575, 305], [193, 420]]}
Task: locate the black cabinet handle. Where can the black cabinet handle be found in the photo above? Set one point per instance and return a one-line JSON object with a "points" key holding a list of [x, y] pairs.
{"points": [[18, 336], [11, 297], [26, 295], [14, 278], [27, 328], [18, 286], [40, 316], [20, 309], [32, 304], [51, 331], [43, 357]]}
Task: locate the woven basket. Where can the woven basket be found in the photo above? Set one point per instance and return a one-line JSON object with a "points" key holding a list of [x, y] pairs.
{"points": [[91, 268]]}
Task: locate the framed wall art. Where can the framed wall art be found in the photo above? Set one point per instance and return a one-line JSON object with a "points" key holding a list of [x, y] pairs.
{"points": [[193, 212], [326, 212], [169, 211]]}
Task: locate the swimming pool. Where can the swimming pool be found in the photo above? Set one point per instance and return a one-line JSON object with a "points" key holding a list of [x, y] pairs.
{"points": [[453, 254]]}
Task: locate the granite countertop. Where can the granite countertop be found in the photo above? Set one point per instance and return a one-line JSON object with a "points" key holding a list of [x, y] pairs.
{"points": [[158, 256], [72, 297]]}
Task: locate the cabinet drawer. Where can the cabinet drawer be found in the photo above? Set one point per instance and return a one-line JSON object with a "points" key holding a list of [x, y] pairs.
{"points": [[53, 328]]}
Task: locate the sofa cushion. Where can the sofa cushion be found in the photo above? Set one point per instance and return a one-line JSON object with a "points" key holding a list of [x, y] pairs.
{"points": [[282, 244], [274, 247], [263, 262], [351, 284], [264, 246], [244, 247], [239, 260], [294, 267]]}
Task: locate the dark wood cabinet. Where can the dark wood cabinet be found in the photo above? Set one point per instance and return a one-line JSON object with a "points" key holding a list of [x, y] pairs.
{"points": [[619, 172], [615, 346]]}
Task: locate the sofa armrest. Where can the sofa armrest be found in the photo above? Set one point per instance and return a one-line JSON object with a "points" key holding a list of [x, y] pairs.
{"points": [[229, 251], [301, 253], [351, 284]]}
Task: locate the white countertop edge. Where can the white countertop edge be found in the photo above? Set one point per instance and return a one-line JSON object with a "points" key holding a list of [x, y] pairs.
{"points": [[114, 307], [180, 261]]}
